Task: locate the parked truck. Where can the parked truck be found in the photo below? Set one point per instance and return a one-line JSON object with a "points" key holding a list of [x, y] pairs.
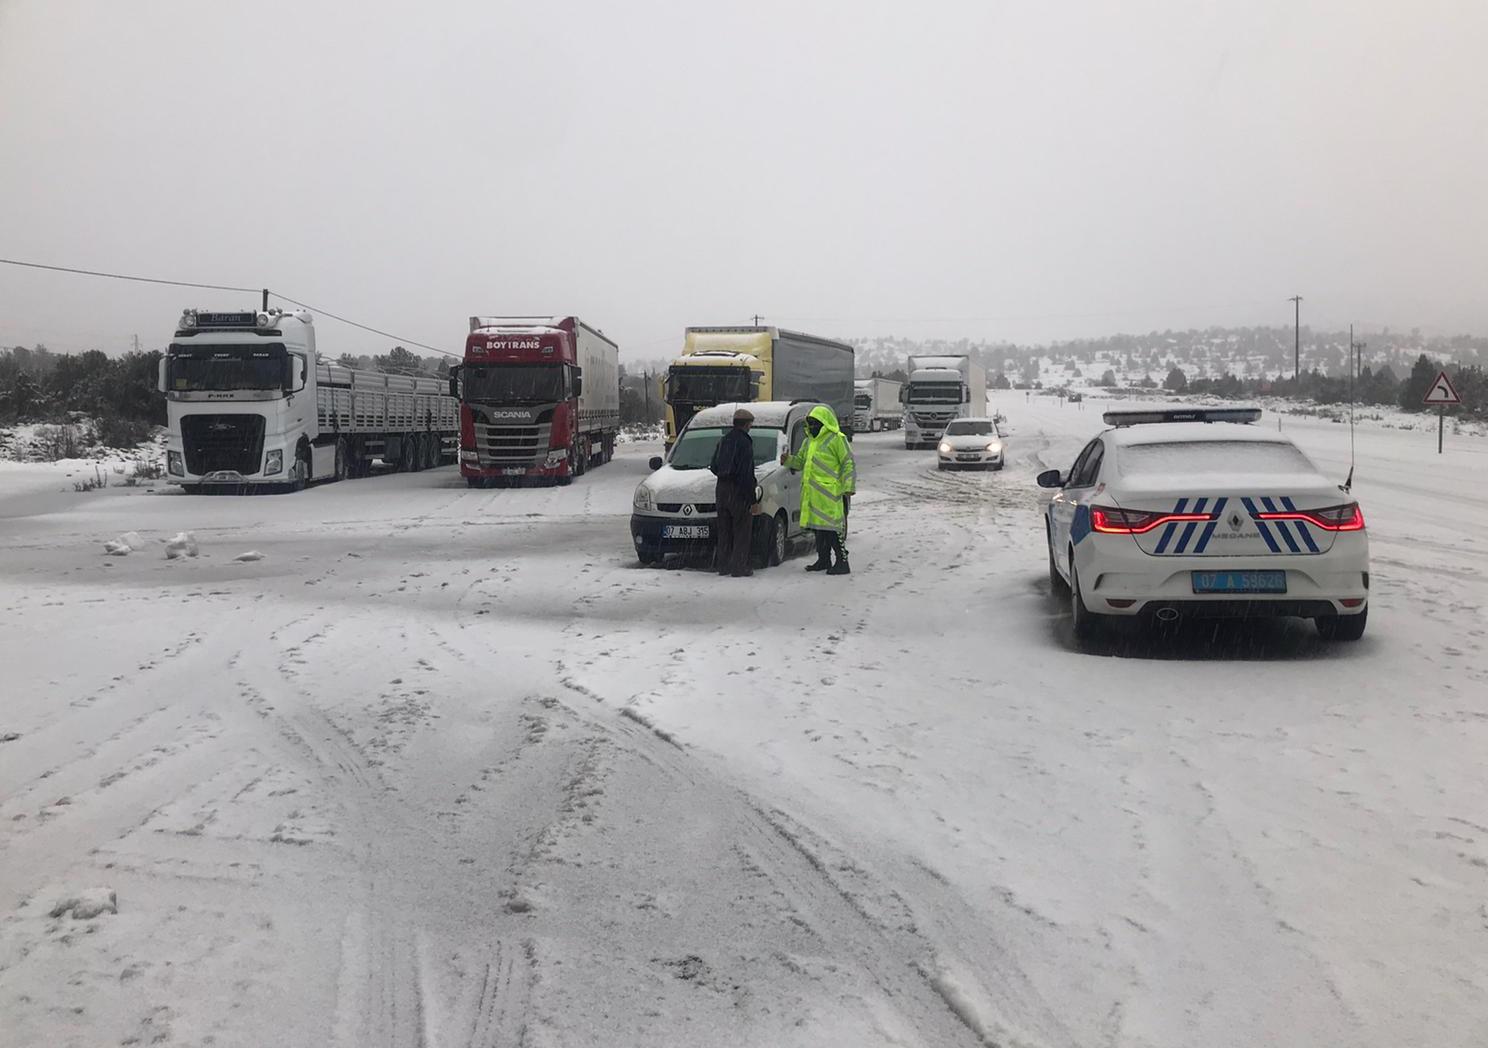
{"points": [[539, 398], [250, 404], [723, 365], [877, 405], [941, 388]]}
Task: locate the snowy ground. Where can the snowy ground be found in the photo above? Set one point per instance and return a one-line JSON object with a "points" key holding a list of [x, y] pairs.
{"points": [[445, 767]]}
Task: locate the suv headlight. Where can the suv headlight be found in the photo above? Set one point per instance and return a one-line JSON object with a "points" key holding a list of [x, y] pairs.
{"points": [[274, 462], [175, 463], [644, 499], [945, 449]]}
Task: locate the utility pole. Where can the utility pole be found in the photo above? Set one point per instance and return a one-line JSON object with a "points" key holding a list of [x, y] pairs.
{"points": [[136, 343], [756, 320], [1296, 301]]}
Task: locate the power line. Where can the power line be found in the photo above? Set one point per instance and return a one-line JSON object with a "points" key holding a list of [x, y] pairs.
{"points": [[124, 276], [224, 287], [364, 327]]}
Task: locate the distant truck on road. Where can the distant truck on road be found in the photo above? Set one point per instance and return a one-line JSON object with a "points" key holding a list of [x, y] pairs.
{"points": [[725, 365], [539, 397], [941, 388], [876, 405], [250, 404]]}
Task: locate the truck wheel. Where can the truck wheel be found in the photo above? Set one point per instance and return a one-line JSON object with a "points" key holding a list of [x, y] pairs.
{"points": [[578, 459], [342, 469], [301, 475], [431, 450], [1342, 627]]}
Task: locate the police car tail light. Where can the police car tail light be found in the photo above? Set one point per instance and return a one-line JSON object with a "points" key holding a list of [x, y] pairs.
{"points": [[1347, 517], [1111, 521]]}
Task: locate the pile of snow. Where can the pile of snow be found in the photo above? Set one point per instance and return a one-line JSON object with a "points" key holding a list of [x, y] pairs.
{"points": [[95, 902], [249, 557], [183, 545], [125, 544]]}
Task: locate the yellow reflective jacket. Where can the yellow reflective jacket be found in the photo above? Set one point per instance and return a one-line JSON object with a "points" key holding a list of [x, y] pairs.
{"points": [[827, 473]]}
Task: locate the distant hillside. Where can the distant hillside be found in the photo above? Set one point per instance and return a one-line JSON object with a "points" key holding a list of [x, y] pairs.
{"points": [[1258, 352]]}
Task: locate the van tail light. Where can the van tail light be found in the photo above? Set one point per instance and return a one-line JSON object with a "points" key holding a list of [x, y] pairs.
{"points": [[1347, 517], [1111, 521]]}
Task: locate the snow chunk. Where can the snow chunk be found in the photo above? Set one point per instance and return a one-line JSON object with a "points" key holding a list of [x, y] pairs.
{"points": [[183, 545], [125, 544], [249, 557], [89, 904]]}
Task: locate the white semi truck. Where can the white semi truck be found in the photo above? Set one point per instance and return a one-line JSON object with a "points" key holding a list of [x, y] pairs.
{"points": [[941, 388], [250, 404], [876, 405]]}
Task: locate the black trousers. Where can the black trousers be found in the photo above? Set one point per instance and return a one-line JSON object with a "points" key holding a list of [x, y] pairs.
{"points": [[735, 524], [827, 543]]}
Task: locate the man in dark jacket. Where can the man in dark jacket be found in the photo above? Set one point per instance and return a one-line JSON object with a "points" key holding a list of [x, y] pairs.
{"points": [[733, 465]]}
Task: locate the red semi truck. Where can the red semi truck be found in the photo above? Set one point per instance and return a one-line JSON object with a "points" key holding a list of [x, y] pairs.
{"points": [[539, 397]]}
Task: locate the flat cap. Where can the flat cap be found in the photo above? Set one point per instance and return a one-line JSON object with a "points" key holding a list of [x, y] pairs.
{"points": [[743, 415]]}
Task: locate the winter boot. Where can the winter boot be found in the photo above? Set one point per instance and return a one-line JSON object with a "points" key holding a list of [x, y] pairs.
{"points": [[840, 568]]}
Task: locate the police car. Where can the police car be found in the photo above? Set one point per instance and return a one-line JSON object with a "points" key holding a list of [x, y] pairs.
{"points": [[1193, 513]]}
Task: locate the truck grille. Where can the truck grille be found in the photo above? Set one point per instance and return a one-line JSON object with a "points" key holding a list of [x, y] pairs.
{"points": [[223, 442], [525, 445]]}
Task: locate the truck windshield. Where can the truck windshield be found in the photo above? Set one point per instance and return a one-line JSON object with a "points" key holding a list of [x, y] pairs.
{"points": [[203, 368], [935, 393], [694, 450], [708, 385], [863, 400], [514, 383]]}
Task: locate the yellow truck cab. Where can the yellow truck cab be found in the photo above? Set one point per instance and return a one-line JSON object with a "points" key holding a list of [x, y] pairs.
{"points": [[726, 365]]}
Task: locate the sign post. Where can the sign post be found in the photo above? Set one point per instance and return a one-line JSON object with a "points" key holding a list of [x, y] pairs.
{"points": [[1441, 393]]}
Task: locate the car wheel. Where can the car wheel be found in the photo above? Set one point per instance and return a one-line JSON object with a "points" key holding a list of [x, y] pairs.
{"points": [[1085, 623], [775, 541], [1057, 585], [1342, 627]]}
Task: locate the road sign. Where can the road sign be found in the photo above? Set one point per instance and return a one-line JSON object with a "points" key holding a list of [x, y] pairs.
{"points": [[1442, 392]]}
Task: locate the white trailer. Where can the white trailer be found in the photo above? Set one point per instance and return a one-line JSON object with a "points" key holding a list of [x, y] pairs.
{"points": [[249, 404], [876, 404], [941, 388]]}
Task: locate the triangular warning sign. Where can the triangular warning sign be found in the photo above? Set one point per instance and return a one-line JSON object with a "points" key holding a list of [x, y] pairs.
{"points": [[1441, 392]]}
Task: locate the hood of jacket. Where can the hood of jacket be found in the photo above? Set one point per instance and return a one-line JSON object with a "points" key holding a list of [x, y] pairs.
{"points": [[824, 415]]}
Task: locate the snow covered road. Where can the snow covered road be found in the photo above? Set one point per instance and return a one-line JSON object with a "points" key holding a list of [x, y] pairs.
{"points": [[445, 767]]}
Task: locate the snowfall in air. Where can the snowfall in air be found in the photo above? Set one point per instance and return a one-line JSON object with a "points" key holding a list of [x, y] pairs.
{"points": [[396, 762]]}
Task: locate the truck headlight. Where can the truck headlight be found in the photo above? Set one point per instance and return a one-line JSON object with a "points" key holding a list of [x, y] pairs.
{"points": [[556, 458], [175, 463], [644, 500], [274, 462], [469, 455], [945, 449]]}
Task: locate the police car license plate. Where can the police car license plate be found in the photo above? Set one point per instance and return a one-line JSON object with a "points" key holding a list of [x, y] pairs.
{"points": [[685, 531], [1239, 582]]}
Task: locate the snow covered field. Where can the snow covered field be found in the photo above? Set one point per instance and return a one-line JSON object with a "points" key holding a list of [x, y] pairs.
{"points": [[446, 767]]}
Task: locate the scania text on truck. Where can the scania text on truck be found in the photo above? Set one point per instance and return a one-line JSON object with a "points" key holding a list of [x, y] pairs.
{"points": [[876, 405], [539, 397], [250, 404], [941, 388], [727, 365]]}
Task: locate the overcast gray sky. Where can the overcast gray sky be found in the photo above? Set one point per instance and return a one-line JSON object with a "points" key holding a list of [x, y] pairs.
{"points": [[1027, 171]]}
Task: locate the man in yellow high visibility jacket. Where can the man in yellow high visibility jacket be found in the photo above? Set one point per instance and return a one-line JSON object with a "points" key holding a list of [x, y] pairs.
{"points": [[828, 480]]}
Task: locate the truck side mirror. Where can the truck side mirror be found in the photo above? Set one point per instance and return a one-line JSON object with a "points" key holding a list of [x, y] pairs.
{"points": [[578, 382], [160, 377], [454, 381]]}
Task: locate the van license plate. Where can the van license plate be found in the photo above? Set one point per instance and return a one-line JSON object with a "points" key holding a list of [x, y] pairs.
{"points": [[1239, 582], [685, 531]]}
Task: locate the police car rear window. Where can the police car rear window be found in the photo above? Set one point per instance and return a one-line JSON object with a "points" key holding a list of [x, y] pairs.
{"points": [[1214, 456]]}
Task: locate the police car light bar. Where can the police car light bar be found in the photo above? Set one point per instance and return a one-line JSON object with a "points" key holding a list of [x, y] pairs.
{"points": [[1139, 417]]}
